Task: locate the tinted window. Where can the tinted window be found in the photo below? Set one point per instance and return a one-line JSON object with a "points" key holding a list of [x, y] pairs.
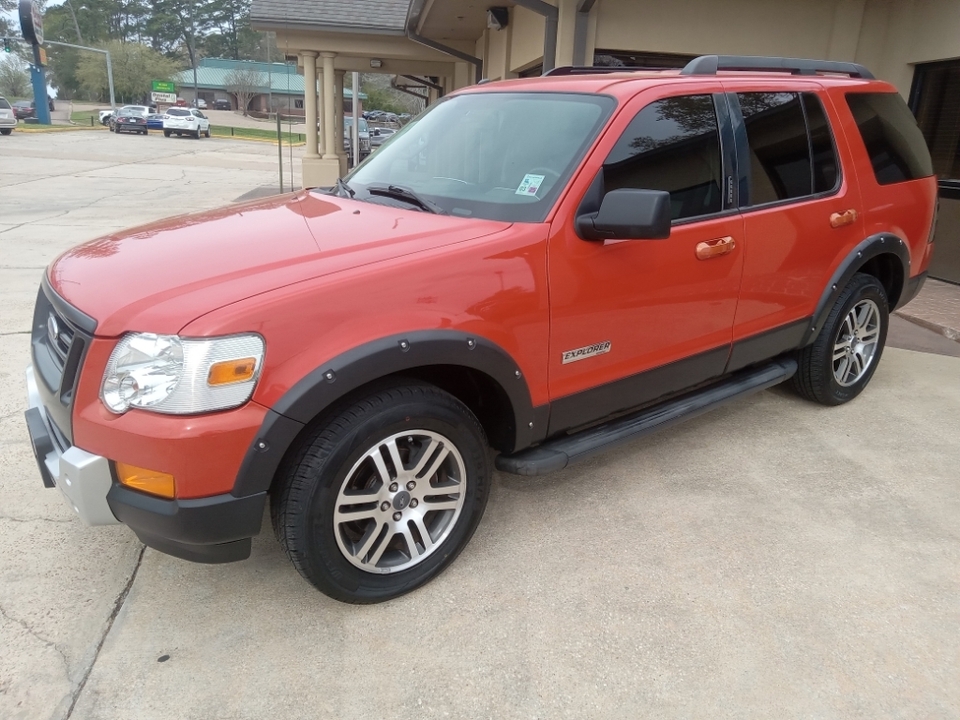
{"points": [[895, 144], [673, 145], [174, 112], [779, 151], [826, 167], [4, 104], [936, 103]]}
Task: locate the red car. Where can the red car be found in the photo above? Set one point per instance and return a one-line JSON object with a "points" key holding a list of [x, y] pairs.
{"points": [[666, 243]]}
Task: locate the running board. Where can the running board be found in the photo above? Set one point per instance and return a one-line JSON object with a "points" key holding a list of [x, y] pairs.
{"points": [[564, 450]]}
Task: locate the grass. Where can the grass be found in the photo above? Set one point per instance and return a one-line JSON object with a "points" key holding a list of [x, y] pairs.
{"points": [[257, 134], [83, 117]]}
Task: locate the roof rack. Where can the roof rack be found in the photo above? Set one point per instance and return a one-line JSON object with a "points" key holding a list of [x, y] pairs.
{"points": [[711, 64], [598, 70]]}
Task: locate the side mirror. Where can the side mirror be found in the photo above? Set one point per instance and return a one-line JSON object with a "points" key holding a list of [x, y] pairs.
{"points": [[628, 214]]}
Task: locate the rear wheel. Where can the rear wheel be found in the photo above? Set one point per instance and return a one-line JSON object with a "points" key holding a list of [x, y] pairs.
{"points": [[840, 362], [382, 498], [208, 133], [166, 133], [6, 131]]}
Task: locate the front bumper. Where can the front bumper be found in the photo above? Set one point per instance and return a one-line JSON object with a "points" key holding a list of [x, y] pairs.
{"points": [[214, 529]]}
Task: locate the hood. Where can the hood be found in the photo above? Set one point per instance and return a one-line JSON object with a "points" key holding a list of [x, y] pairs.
{"points": [[159, 277]]}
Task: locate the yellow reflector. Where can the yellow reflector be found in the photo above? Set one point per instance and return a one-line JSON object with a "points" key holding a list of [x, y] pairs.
{"points": [[148, 481], [231, 371]]}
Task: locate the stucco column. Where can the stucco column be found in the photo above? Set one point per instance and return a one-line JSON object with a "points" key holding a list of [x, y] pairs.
{"points": [[309, 58], [338, 99], [566, 31], [329, 108], [320, 130]]}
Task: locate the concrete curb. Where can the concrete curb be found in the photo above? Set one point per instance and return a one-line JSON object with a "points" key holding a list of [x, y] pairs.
{"points": [[948, 332]]}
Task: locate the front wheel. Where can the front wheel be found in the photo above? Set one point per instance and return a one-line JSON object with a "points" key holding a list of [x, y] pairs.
{"points": [[166, 133], [840, 362], [383, 497]]}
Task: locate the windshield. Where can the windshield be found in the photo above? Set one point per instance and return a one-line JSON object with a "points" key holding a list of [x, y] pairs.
{"points": [[499, 156]]}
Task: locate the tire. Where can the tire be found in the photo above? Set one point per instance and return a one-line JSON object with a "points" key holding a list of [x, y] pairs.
{"points": [[207, 134], [355, 561], [6, 131], [166, 133], [840, 362], [196, 135]]}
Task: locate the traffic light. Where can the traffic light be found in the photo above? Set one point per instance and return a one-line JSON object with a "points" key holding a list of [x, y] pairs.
{"points": [[6, 45]]}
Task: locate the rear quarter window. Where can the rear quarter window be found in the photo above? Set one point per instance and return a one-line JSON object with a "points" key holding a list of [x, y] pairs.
{"points": [[892, 138], [4, 105]]}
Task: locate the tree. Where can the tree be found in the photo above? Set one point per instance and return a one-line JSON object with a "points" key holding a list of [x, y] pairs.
{"points": [[14, 79], [134, 67], [243, 83]]}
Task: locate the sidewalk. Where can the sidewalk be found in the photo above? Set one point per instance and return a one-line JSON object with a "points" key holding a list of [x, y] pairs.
{"points": [[937, 308]]}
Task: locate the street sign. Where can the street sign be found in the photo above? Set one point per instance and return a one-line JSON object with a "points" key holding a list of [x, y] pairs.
{"points": [[31, 21], [163, 86], [165, 98]]}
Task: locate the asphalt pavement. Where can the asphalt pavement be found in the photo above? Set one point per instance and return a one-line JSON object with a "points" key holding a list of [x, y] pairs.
{"points": [[771, 559]]}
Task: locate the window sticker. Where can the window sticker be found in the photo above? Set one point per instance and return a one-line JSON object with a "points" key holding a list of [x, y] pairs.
{"points": [[530, 184]]}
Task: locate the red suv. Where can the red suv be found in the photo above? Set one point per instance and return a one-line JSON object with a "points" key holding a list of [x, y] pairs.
{"points": [[546, 266]]}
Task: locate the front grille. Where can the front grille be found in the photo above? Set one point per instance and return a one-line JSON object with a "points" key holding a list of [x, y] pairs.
{"points": [[58, 346]]}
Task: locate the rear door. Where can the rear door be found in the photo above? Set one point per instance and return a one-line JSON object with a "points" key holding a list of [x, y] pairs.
{"points": [[632, 320], [801, 209]]}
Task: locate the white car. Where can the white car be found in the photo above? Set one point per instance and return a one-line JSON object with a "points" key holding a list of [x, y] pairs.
{"points": [[8, 120], [185, 121]]}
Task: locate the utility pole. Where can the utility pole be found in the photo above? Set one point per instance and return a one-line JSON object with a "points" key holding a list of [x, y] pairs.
{"points": [[356, 119]]}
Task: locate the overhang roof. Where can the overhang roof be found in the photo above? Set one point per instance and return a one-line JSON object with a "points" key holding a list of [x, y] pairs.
{"points": [[363, 16], [282, 79]]}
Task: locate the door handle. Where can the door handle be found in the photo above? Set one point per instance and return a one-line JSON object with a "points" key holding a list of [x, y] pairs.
{"points": [[840, 219], [715, 248]]}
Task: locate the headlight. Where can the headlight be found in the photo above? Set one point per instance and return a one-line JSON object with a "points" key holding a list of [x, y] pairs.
{"points": [[181, 376]]}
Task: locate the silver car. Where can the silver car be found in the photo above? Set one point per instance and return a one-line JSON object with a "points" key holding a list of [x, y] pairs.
{"points": [[8, 121]]}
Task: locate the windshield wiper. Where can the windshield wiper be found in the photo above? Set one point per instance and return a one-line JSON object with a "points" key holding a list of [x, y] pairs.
{"points": [[402, 193], [343, 189]]}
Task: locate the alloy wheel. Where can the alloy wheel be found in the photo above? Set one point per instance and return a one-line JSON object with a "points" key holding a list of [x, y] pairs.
{"points": [[400, 501], [856, 343]]}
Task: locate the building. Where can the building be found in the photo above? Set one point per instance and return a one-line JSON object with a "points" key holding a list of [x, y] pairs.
{"points": [[448, 44], [273, 86]]}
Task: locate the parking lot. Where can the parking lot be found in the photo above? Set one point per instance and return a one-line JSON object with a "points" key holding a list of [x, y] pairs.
{"points": [[772, 559]]}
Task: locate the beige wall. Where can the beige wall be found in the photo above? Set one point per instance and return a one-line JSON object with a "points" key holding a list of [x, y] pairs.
{"points": [[898, 33], [887, 36]]}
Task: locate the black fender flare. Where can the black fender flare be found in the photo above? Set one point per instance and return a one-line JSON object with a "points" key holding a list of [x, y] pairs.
{"points": [[364, 364], [873, 246]]}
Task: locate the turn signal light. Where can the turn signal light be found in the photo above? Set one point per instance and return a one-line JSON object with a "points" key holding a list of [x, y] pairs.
{"points": [[232, 371], [148, 481]]}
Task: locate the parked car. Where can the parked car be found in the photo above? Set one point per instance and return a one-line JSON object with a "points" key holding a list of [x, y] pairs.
{"points": [[222, 105], [23, 109], [105, 116], [199, 103], [8, 119], [128, 119], [364, 138], [664, 244], [155, 121], [380, 135], [185, 121]]}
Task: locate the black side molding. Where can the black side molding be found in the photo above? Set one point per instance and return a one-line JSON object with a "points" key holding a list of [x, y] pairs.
{"points": [[711, 64], [556, 454]]}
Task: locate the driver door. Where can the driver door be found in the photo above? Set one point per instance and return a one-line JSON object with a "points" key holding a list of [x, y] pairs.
{"points": [[633, 320]]}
